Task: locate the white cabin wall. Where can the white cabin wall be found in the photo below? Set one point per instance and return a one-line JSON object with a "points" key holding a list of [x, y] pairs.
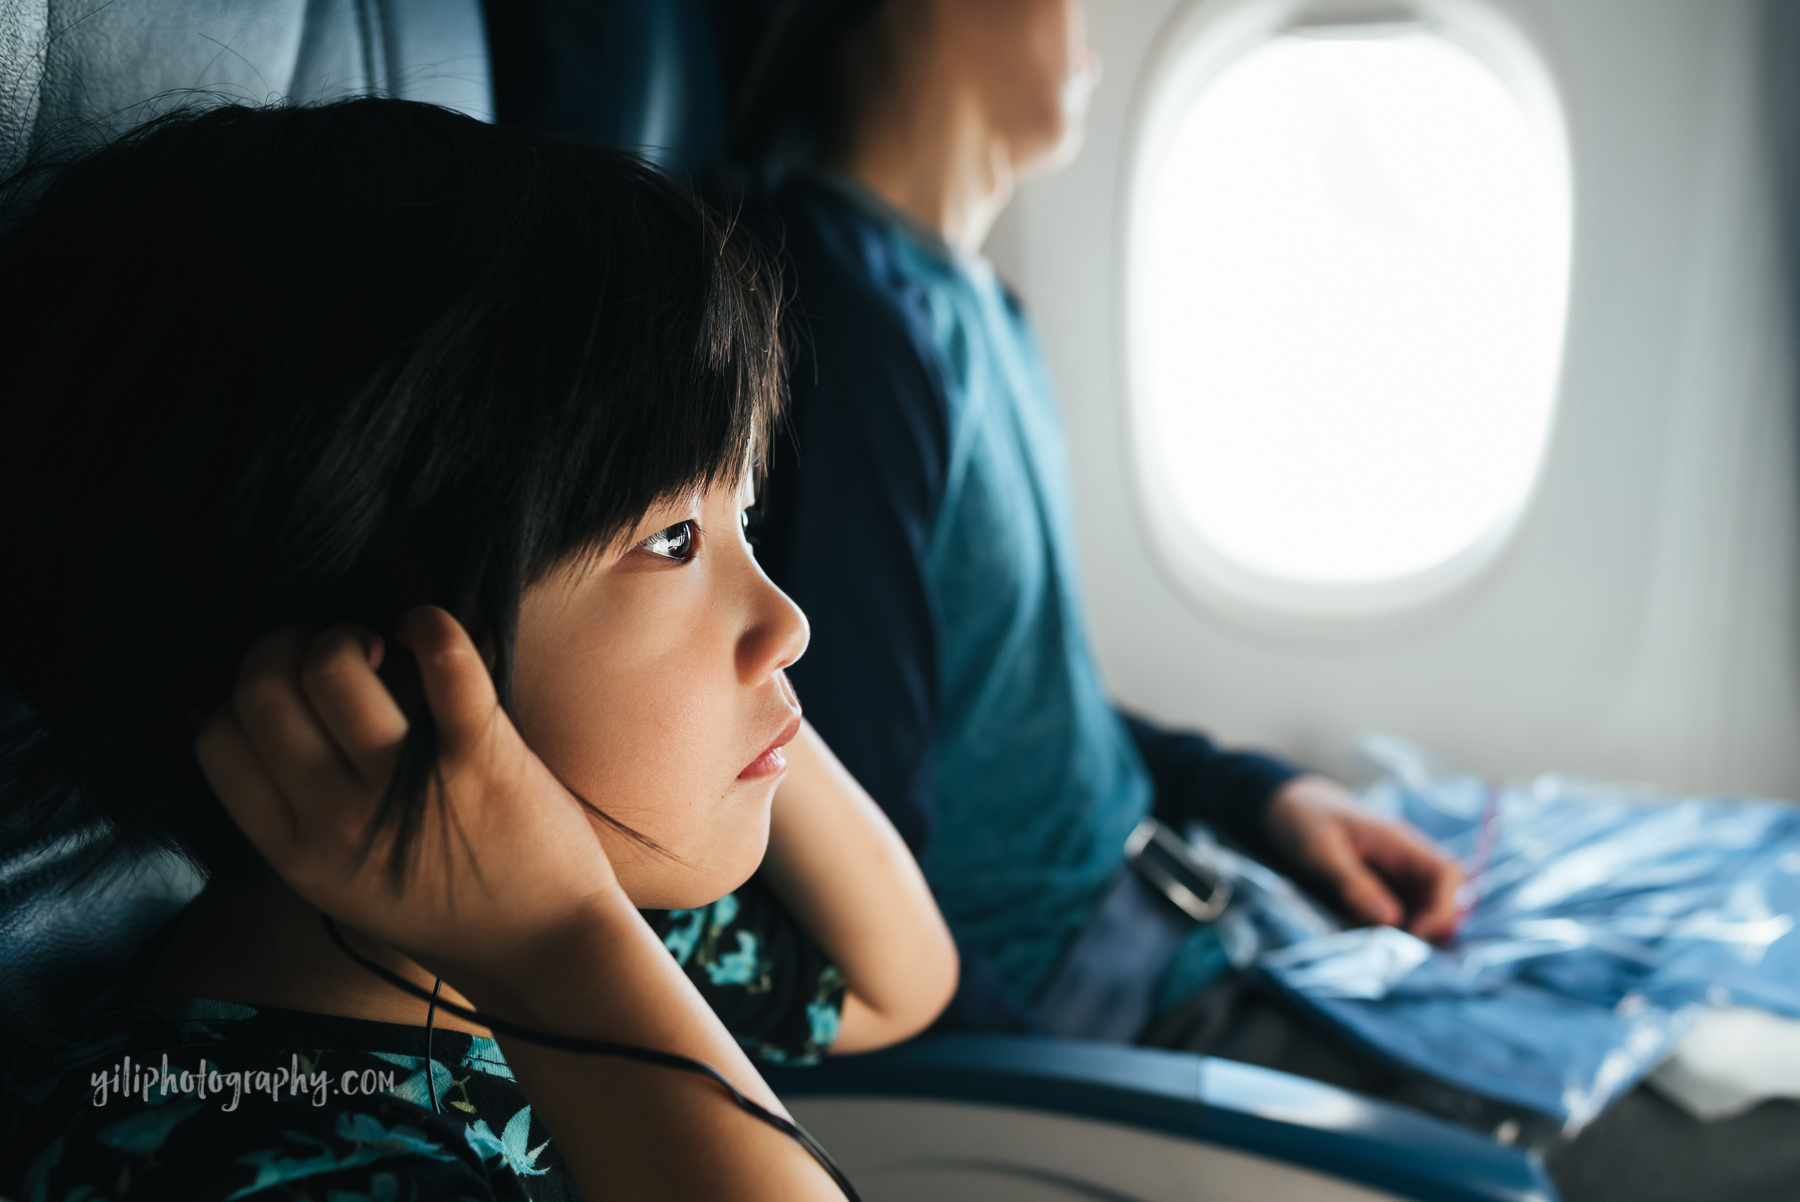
{"points": [[1642, 624]]}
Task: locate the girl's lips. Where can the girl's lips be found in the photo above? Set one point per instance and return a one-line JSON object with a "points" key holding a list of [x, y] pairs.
{"points": [[771, 761]]}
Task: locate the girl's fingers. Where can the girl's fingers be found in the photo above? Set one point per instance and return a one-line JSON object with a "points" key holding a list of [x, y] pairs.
{"points": [[245, 788], [295, 749], [457, 685], [337, 674]]}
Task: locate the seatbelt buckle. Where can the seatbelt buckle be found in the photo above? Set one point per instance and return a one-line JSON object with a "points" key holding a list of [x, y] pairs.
{"points": [[1164, 859]]}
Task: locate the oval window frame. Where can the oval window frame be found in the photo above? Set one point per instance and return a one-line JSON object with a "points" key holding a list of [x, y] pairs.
{"points": [[1197, 44]]}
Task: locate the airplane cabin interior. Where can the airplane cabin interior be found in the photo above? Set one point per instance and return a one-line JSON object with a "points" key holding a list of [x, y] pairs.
{"points": [[1426, 378]]}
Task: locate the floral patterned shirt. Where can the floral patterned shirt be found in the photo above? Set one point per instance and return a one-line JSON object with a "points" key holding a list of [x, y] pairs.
{"points": [[211, 1100]]}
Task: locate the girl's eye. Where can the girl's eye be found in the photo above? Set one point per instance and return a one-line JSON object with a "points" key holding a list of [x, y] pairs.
{"points": [[679, 542]]}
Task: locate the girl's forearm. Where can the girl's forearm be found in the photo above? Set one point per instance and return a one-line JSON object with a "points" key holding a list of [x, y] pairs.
{"points": [[843, 871], [629, 1130]]}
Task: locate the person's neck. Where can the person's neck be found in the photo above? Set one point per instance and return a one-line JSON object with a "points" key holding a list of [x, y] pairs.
{"points": [[931, 153], [263, 946]]}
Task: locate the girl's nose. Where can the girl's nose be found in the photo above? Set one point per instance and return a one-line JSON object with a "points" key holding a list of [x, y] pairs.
{"points": [[775, 636]]}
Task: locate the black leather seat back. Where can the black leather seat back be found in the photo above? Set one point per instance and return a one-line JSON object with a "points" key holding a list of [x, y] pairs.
{"points": [[111, 63], [91, 68], [65, 935]]}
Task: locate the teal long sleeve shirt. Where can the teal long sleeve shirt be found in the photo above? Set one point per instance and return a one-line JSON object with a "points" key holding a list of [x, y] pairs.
{"points": [[918, 509]]}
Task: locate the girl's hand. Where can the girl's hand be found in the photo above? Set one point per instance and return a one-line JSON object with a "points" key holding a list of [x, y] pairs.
{"points": [[510, 898], [505, 857]]}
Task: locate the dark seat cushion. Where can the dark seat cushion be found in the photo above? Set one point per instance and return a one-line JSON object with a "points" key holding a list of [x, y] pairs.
{"points": [[63, 936]]}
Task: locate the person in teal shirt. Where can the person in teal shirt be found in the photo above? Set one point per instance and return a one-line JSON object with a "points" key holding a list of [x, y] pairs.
{"points": [[920, 515]]}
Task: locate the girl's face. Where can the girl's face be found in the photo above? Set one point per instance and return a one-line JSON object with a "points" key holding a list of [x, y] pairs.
{"points": [[650, 680]]}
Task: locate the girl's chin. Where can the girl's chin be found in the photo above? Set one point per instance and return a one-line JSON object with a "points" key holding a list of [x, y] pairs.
{"points": [[688, 894], [667, 884]]}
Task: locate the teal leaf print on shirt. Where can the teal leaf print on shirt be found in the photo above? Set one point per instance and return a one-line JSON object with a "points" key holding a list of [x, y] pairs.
{"points": [[485, 1057], [37, 1094], [273, 1168], [208, 1009], [414, 1089], [141, 1134], [383, 1187], [37, 1178], [825, 1013], [482, 1142], [825, 1020], [742, 967], [372, 1141], [510, 1146], [93, 1049], [773, 1053], [203, 1016], [682, 939], [695, 936], [366, 1129]]}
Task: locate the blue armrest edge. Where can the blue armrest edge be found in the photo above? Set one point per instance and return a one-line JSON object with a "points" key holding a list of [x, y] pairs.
{"points": [[1239, 1106]]}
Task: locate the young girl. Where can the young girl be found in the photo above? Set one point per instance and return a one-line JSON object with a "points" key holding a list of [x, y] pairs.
{"points": [[373, 483]]}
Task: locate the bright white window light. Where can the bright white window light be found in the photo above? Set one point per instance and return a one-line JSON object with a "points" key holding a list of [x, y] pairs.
{"points": [[1348, 287]]}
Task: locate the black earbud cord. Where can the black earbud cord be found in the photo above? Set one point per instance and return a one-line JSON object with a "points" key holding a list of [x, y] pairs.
{"points": [[592, 1047]]}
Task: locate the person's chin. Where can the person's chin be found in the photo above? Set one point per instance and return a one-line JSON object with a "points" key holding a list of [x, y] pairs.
{"points": [[1053, 152], [1068, 147], [744, 853], [697, 882]]}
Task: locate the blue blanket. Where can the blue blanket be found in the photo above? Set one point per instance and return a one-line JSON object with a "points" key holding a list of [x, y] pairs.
{"points": [[1601, 924]]}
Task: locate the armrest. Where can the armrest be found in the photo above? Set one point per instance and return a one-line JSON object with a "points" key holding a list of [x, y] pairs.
{"points": [[1255, 1111]]}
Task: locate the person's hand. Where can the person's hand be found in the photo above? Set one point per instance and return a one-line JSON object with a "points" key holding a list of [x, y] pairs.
{"points": [[303, 752], [1378, 872]]}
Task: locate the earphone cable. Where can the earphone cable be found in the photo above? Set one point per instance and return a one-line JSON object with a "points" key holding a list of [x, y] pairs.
{"points": [[594, 1047], [437, 987]]}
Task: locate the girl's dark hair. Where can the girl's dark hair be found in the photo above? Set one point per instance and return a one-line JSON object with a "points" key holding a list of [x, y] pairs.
{"points": [[317, 364]]}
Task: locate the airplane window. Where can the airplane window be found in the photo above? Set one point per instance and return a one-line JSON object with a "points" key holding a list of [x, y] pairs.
{"points": [[1347, 284]]}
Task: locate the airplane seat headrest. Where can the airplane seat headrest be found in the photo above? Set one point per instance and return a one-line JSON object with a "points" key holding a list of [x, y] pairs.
{"points": [[644, 75], [73, 66], [70, 924], [93, 68]]}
